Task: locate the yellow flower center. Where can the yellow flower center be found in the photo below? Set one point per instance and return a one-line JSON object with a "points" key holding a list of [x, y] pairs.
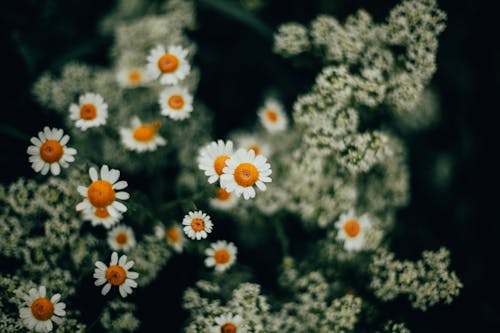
{"points": [[246, 174], [144, 133], [116, 275], [271, 116], [88, 111], [173, 234], [42, 309], [222, 256], [176, 102], [168, 63], [220, 163], [197, 224], [101, 213], [222, 194], [135, 76], [51, 151], [352, 228], [101, 194], [121, 238], [228, 328], [255, 149]]}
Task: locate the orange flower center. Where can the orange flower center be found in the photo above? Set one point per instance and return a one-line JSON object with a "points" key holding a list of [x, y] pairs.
{"points": [[135, 76], [222, 194], [176, 102], [197, 224], [352, 228], [121, 238], [88, 111], [168, 63], [101, 212], [246, 174], [228, 328], [51, 151], [173, 234], [271, 116], [101, 194], [42, 309], [220, 163], [255, 149], [116, 275], [144, 133], [222, 256]]}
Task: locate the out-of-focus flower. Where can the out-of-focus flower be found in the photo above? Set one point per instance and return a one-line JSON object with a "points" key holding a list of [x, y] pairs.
{"points": [[352, 230], [91, 111], [173, 235], [221, 255], [273, 117], [141, 136], [176, 103], [223, 200], [121, 238], [170, 66], [212, 158]]}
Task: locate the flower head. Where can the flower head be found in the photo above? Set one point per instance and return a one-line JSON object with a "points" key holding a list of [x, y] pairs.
{"points": [[49, 151], [252, 142], [101, 217], [38, 311], [221, 254], [223, 200], [91, 111], [176, 103], [132, 77], [352, 230], [212, 158], [121, 238], [142, 136], [101, 193], [117, 274], [273, 117], [228, 323], [173, 235], [244, 170], [197, 225], [171, 66]]}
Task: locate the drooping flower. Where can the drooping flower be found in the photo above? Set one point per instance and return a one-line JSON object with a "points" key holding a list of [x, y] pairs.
{"points": [[141, 136], [91, 111], [170, 66], [49, 151], [176, 103], [223, 199], [101, 193], [221, 255], [228, 323], [38, 312], [212, 158], [121, 238], [117, 274], [273, 117], [173, 235], [244, 170], [197, 225], [352, 230]]}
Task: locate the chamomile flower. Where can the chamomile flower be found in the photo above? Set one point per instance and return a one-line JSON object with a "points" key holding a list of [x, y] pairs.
{"points": [[197, 225], [91, 111], [171, 66], [223, 199], [212, 158], [38, 312], [49, 151], [176, 103], [252, 142], [352, 230], [101, 217], [173, 235], [244, 170], [101, 193], [228, 323], [142, 137], [117, 274], [121, 238], [273, 117], [221, 254], [132, 77]]}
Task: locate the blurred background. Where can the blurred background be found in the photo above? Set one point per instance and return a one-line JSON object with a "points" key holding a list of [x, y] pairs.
{"points": [[453, 165]]}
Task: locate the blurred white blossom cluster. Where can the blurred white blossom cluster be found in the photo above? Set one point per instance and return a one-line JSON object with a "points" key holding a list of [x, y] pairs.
{"points": [[325, 184]]}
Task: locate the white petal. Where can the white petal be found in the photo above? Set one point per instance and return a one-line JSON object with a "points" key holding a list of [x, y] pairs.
{"points": [[120, 185], [105, 289], [55, 298], [122, 195], [82, 190], [93, 174], [55, 169], [119, 206], [45, 169]]}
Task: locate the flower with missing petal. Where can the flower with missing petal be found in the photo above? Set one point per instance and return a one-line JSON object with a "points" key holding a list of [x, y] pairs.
{"points": [[117, 275]]}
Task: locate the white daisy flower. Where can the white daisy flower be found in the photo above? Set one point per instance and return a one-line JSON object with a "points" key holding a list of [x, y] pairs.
{"points": [[176, 103], [91, 111], [221, 254], [38, 312], [49, 151], [173, 235], [197, 225], [132, 77], [142, 137], [101, 193], [101, 216], [212, 158], [121, 238], [228, 323], [117, 274], [244, 170], [170, 66], [252, 142], [272, 116], [223, 199], [352, 230]]}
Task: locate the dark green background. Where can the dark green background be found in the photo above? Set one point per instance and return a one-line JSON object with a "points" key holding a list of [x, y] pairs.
{"points": [[237, 67]]}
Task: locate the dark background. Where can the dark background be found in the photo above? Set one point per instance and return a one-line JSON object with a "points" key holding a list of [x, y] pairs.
{"points": [[237, 67]]}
